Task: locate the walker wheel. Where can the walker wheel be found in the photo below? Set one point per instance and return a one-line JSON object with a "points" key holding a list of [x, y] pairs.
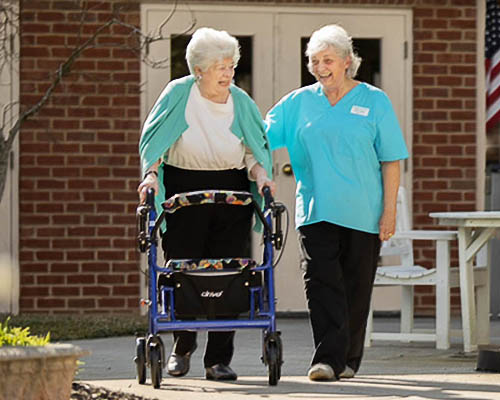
{"points": [[155, 362], [273, 357], [140, 359]]}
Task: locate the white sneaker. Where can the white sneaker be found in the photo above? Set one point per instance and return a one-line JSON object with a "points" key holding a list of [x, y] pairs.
{"points": [[347, 373], [321, 372]]}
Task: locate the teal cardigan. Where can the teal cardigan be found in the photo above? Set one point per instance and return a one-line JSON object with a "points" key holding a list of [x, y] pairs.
{"points": [[166, 122]]}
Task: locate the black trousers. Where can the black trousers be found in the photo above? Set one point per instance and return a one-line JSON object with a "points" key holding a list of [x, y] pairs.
{"points": [[207, 231], [339, 269]]}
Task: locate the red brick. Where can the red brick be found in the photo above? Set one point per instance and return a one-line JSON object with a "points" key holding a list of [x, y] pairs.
{"points": [[80, 279], [64, 267], [111, 302], [66, 244], [79, 207], [95, 267], [82, 303], [80, 255], [66, 219], [110, 255], [97, 243], [96, 291], [125, 267], [50, 279], [68, 291], [126, 290], [96, 219], [32, 268], [37, 291], [50, 303]]}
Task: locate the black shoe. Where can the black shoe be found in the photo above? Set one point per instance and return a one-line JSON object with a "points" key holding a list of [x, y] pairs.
{"points": [[178, 365], [220, 372]]}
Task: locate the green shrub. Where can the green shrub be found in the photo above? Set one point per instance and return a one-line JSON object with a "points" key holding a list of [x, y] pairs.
{"points": [[16, 336], [80, 326]]}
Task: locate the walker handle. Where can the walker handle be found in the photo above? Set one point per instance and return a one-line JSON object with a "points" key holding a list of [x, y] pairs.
{"points": [[268, 197], [150, 197]]}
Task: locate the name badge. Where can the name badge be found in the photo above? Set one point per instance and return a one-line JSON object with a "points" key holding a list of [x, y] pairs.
{"points": [[358, 110]]}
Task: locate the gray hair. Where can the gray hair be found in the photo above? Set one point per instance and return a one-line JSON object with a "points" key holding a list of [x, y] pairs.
{"points": [[335, 37], [208, 46]]}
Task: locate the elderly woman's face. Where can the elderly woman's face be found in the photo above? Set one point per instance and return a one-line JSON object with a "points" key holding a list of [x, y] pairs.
{"points": [[218, 77], [329, 68]]}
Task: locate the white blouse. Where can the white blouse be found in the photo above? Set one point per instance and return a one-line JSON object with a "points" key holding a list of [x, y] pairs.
{"points": [[208, 143]]}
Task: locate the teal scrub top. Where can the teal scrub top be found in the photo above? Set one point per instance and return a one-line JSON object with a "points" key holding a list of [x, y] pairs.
{"points": [[336, 153]]}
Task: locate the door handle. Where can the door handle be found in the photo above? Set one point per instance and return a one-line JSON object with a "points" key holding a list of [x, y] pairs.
{"points": [[287, 169]]}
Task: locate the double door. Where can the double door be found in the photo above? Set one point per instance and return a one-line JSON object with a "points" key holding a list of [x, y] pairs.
{"points": [[272, 43]]}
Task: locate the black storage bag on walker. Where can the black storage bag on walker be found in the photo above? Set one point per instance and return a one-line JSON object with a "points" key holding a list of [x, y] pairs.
{"points": [[214, 294]]}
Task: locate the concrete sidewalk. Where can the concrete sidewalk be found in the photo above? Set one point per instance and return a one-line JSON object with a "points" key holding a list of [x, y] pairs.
{"points": [[390, 370]]}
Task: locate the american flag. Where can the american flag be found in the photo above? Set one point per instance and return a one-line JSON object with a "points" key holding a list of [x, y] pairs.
{"points": [[492, 54]]}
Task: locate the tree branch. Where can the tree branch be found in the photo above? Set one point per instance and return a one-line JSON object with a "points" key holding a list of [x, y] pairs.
{"points": [[63, 70]]}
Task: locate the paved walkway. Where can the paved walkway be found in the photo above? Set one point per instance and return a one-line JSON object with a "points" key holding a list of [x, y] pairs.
{"points": [[390, 370]]}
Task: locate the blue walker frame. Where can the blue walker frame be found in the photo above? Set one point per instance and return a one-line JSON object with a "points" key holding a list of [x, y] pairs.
{"points": [[150, 350]]}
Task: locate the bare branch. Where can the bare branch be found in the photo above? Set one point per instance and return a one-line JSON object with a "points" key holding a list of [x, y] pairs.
{"points": [[63, 70], [8, 30]]}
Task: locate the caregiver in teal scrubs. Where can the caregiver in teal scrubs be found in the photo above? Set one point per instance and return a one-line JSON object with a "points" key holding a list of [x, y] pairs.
{"points": [[344, 143]]}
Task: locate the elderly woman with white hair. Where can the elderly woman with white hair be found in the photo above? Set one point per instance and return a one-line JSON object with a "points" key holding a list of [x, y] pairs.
{"points": [[205, 133], [344, 143]]}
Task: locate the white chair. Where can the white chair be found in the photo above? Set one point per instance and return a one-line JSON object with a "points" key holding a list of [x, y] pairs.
{"points": [[407, 275]]}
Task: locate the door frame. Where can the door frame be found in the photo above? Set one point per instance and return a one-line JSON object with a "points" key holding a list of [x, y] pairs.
{"points": [[9, 240]]}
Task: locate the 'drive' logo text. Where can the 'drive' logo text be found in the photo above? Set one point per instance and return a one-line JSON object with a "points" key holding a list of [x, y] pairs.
{"points": [[210, 294]]}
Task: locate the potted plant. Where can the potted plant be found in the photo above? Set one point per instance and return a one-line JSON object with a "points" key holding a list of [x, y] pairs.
{"points": [[32, 368]]}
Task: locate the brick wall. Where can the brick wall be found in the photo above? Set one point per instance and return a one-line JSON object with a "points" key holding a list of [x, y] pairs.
{"points": [[444, 130], [79, 165], [78, 162]]}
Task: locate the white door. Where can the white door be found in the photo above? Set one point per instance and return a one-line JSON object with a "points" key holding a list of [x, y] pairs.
{"points": [[9, 95], [276, 35]]}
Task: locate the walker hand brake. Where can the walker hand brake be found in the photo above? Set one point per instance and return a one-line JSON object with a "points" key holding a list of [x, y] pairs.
{"points": [[143, 239]]}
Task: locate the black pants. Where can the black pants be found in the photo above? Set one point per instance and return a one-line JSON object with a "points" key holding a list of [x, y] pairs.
{"points": [[207, 231], [339, 269]]}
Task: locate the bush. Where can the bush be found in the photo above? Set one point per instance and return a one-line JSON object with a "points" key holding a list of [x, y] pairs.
{"points": [[16, 336], [80, 326]]}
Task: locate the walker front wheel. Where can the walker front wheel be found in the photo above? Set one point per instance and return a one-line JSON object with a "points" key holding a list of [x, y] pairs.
{"points": [[273, 365], [273, 357], [156, 363]]}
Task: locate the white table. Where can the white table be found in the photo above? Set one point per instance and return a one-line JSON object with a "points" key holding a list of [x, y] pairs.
{"points": [[475, 229]]}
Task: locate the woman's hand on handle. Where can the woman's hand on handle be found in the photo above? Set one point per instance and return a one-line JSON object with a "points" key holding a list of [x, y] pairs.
{"points": [[260, 175], [266, 182], [150, 181]]}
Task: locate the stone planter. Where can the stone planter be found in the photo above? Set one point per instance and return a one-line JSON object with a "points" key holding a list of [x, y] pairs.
{"points": [[38, 372]]}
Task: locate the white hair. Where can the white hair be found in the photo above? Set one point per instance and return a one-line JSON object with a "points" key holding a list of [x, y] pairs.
{"points": [[208, 46], [335, 37]]}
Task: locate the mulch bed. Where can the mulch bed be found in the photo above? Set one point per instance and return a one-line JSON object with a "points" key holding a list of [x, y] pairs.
{"points": [[83, 391]]}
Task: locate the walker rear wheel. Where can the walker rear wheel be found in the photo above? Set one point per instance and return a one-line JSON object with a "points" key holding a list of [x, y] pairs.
{"points": [[140, 359]]}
